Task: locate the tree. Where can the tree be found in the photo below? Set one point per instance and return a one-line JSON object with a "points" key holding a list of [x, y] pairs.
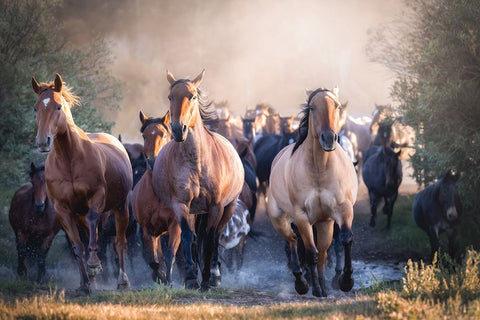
{"points": [[435, 53], [32, 44]]}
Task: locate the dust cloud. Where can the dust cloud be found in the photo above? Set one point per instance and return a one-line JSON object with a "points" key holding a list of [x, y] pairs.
{"points": [[253, 51]]}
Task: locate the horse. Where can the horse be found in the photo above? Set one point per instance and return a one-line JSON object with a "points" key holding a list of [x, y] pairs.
{"points": [[388, 130], [314, 183], [358, 133], [153, 216], [382, 174], [199, 175], [34, 222], [438, 208], [88, 175]]}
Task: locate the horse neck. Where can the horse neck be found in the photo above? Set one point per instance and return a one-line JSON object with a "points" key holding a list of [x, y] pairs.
{"points": [[196, 142], [67, 143]]}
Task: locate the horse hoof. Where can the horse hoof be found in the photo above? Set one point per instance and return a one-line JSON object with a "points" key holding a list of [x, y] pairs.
{"points": [[318, 292], [346, 284], [301, 285], [123, 286], [335, 283], [191, 284], [93, 270], [215, 281], [372, 222]]}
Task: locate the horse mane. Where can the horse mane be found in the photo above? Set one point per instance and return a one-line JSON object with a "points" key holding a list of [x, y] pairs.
{"points": [[207, 112], [154, 120], [67, 93], [303, 127]]}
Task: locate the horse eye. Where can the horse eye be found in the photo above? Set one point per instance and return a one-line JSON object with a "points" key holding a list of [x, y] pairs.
{"points": [[170, 97], [59, 107], [194, 97]]}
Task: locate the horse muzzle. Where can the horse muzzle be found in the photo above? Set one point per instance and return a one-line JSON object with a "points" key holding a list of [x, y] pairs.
{"points": [[328, 140], [179, 131], [45, 144], [39, 207], [150, 162], [452, 214]]}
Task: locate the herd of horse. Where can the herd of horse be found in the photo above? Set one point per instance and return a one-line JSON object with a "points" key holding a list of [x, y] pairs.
{"points": [[192, 187]]}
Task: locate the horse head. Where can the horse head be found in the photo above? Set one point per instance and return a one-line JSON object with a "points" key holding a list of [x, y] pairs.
{"points": [[156, 134], [446, 195], [52, 110], [324, 109], [393, 173], [37, 177], [184, 104]]}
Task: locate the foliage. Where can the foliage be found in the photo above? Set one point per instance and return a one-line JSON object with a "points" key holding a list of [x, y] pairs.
{"points": [[32, 44], [435, 291], [435, 53]]}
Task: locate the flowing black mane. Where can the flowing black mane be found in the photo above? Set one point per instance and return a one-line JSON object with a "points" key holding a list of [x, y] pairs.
{"points": [[303, 127]]}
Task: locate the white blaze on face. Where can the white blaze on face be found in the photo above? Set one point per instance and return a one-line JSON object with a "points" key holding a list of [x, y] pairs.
{"points": [[46, 101], [452, 213]]}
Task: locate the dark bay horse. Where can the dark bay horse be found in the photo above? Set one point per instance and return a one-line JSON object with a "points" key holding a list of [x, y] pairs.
{"points": [[153, 216], [382, 174], [199, 175], [314, 183], [438, 208], [88, 175], [34, 221]]}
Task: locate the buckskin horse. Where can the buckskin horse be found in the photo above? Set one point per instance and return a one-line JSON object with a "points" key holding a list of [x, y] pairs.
{"points": [[313, 182], [88, 175], [34, 221], [199, 175]]}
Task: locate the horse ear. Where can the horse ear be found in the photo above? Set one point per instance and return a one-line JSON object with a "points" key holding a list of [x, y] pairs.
{"points": [[35, 86], [345, 105], [119, 137], [336, 91], [166, 118], [143, 117], [170, 77], [398, 153], [32, 169], [308, 92], [58, 83], [199, 78]]}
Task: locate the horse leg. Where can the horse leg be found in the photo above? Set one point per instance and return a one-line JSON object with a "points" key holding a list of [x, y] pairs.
{"points": [[337, 246], [150, 243], [373, 207], [172, 248], [317, 262], [388, 208], [451, 242], [22, 253], [94, 265], [434, 241], [187, 240], [121, 224], [42, 255], [282, 225], [346, 236], [71, 229]]}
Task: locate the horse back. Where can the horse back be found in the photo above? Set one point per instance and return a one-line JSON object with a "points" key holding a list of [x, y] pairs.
{"points": [[21, 206], [117, 168]]}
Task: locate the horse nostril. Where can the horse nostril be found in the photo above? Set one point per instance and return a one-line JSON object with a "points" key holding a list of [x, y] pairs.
{"points": [[184, 128], [49, 140]]}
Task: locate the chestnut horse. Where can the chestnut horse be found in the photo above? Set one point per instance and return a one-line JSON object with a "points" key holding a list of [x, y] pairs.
{"points": [[88, 175], [313, 182], [153, 216], [34, 221], [199, 175]]}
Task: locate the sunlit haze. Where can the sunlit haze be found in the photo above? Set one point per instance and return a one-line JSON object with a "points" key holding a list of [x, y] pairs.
{"points": [[253, 51]]}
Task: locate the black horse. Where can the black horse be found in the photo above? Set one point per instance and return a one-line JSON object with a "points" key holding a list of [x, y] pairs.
{"points": [[265, 149], [382, 174], [437, 208]]}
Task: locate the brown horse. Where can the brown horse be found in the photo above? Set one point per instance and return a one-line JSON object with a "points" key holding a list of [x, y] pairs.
{"points": [[88, 175], [151, 214], [34, 221], [199, 175], [313, 182]]}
